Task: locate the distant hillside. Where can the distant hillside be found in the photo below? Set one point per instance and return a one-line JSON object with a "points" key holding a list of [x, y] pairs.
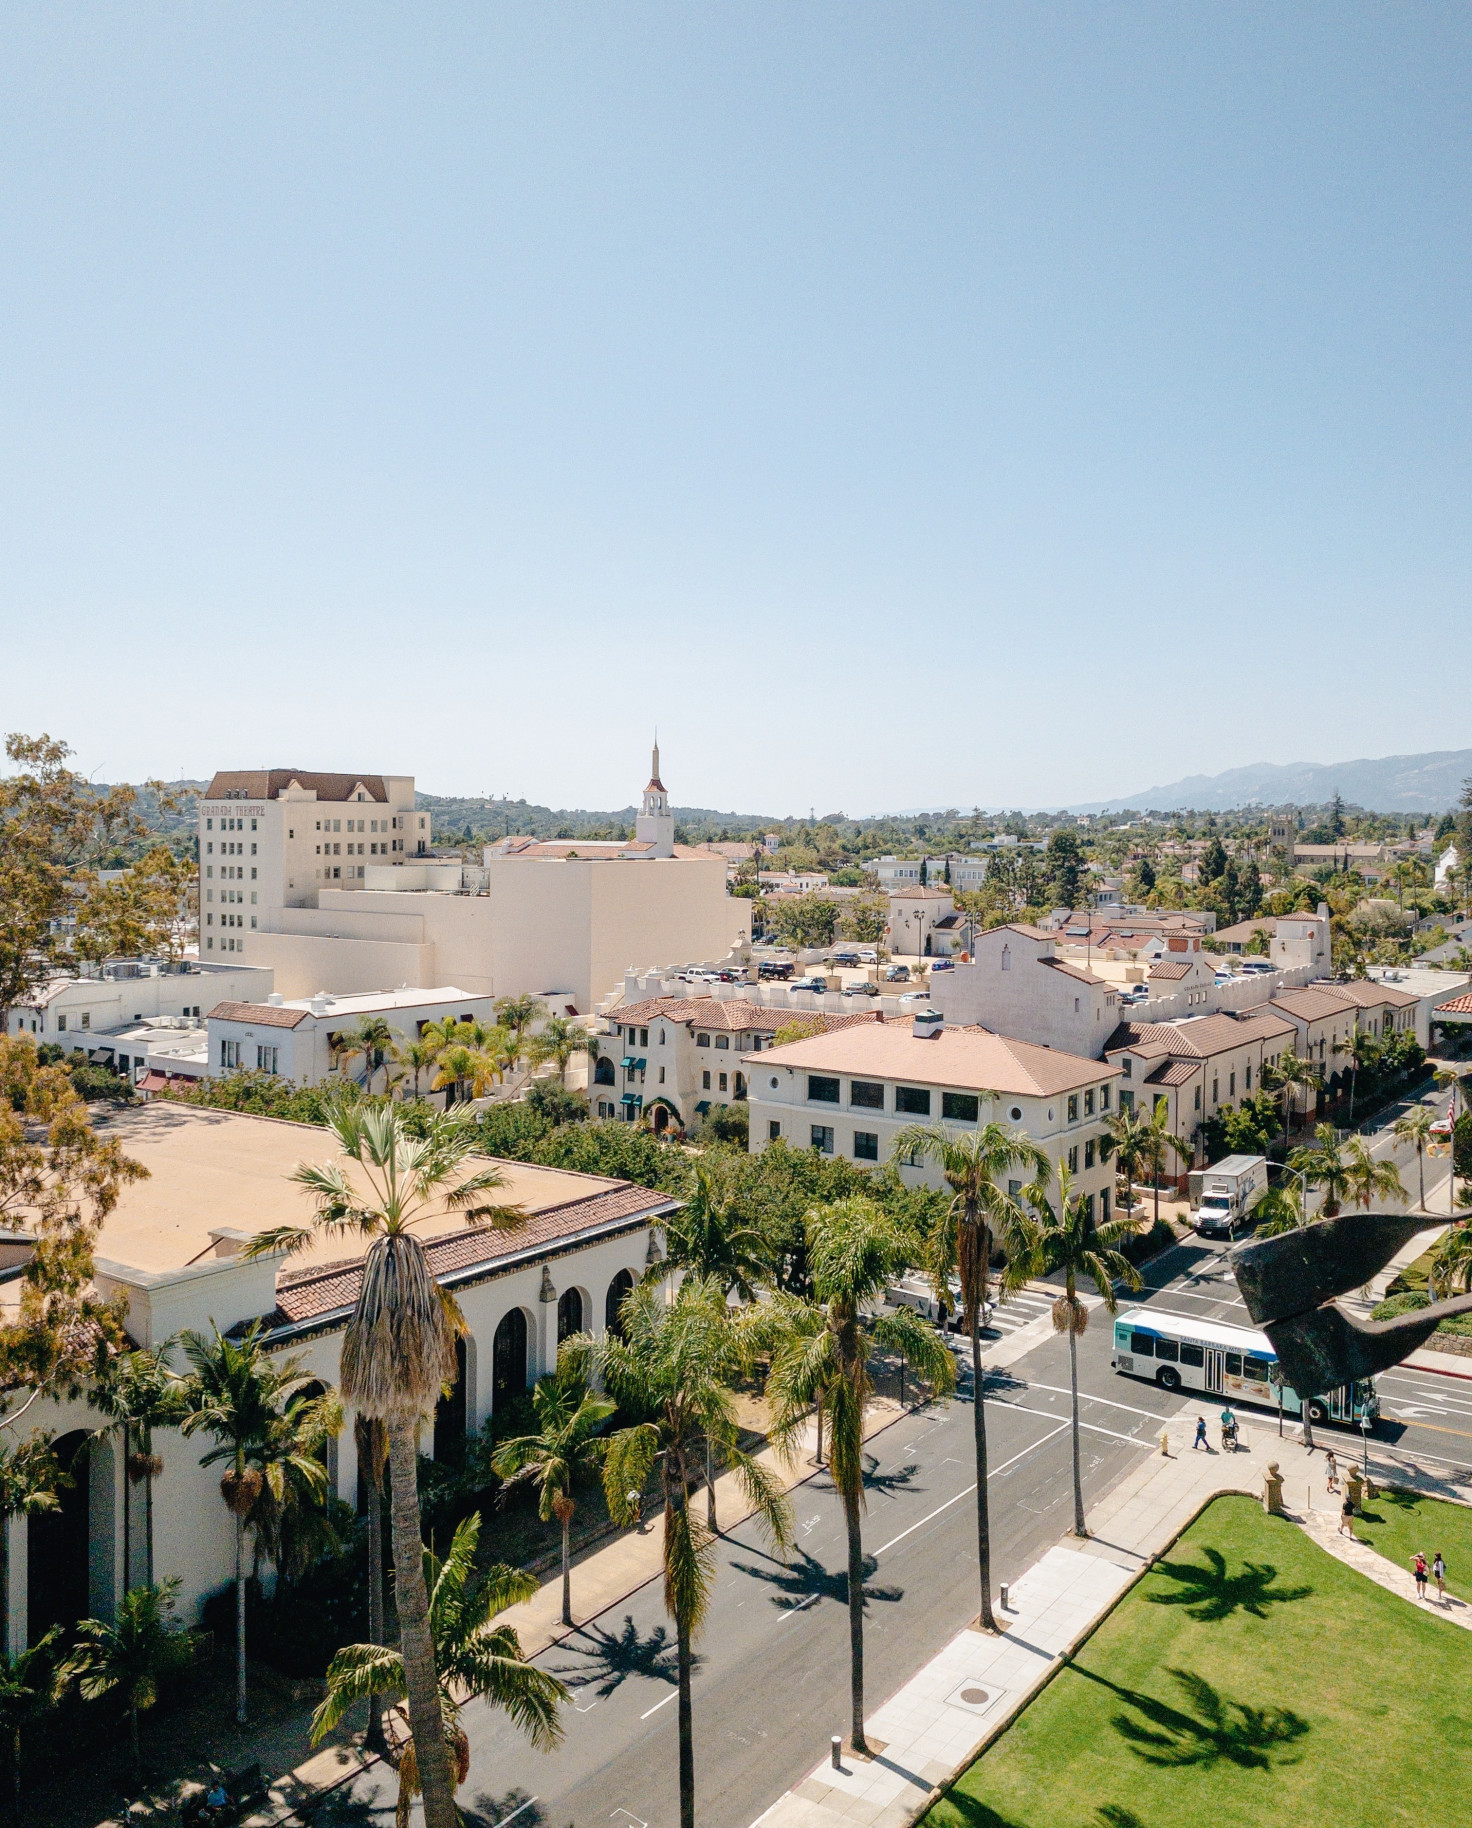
{"points": [[1393, 783], [469, 819]]}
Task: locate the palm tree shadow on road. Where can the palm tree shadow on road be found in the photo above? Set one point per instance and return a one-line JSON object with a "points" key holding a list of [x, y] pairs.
{"points": [[803, 1578], [608, 1658]]}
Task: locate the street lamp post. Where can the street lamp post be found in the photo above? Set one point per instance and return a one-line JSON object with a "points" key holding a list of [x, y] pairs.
{"points": [[1365, 1436]]}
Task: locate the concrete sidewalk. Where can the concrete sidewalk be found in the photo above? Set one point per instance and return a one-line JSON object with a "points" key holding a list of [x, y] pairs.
{"points": [[951, 1710]]}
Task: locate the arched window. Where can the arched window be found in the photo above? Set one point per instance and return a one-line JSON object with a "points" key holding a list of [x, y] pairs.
{"points": [[450, 1418], [58, 1547], [603, 1073], [508, 1359], [569, 1314], [618, 1289], [1006, 958]]}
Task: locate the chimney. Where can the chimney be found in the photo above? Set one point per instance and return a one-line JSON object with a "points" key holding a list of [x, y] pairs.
{"points": [[927, 1023], [275, 999], [320, 1003]]}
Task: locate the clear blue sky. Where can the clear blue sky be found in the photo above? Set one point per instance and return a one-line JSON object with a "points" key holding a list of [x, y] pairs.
{"points": [[900, 405]]}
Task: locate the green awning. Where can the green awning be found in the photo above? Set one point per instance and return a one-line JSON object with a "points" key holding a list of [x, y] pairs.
{"points": [[631, 1098], [702, 1107], [628, 1060]]}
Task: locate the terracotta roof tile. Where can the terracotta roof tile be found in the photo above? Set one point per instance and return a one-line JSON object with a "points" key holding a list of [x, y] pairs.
{"points": [[1367, 993], [268, 783], [325, 1289], [1071, 970], [973, 1058], [1457, 1006], [259, 1015], [1172, 968], [1314, 1003]]}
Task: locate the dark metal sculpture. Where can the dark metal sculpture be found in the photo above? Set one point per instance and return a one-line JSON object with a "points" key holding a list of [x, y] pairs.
{"points": [[1289, 1283]]}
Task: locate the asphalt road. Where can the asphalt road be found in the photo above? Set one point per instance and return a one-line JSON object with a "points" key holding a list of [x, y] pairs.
{"points": [[772, 1680]]}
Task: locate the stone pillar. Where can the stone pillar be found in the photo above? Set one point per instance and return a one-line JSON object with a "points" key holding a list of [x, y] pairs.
{"points": [[1272, 1490], [544, 1348]]}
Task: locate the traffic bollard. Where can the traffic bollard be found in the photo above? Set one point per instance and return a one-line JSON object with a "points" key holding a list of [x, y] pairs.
{"points": [[837, 1752]]}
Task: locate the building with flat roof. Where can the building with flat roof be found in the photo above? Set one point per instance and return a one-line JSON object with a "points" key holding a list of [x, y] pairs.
{"points": [[298, 1038], [172, 1251]]}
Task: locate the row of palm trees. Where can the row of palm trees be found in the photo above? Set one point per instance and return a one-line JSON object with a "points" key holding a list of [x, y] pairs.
{"points": [[463, 1059]]}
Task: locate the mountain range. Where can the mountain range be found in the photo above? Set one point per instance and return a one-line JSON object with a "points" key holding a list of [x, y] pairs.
{"points": [[1389, 783]]}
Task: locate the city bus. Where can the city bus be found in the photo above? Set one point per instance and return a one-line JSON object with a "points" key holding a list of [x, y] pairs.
{"points": [[1180, 1352]]}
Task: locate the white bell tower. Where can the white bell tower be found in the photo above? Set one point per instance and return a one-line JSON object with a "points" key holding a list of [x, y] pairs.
{"points": [[655, 824]]}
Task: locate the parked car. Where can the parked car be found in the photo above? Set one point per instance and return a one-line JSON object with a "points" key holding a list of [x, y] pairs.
{"points": [[897, 974], [773, 968], [861, 990], [1258, 964], [808, 983], [916, 996], [942, 964], [850, 960]]}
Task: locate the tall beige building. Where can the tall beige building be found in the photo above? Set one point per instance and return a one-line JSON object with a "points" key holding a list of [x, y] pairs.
{"points": [[564, 918]]}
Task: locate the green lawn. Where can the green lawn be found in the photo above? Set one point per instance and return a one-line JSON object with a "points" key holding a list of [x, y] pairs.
{"points": [[1396, 1524], [1249, 1681]]}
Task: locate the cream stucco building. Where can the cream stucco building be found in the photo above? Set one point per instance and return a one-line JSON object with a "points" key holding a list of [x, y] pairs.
{"points": [[172, 1251], [562, 920]]}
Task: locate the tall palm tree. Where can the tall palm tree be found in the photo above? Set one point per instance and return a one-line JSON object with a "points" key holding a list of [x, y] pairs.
{"points": [[567, 1445], [140, 1392], [820, 1350], [130, 1654], [373, 1042], [1370, 1180], [371, 1440], [29, 1688], [560, 1040], [1324, 1166], [710, 1239], [1290, 1074], [1280, 1209], [672, 1368], [1415, 1127], [1362, 1050], [976, 1166], [1158, 1145], [1129, 1146], [417, 1057], [268, 1435], [399, 1346], [472, 1656], [1067, 1239], [518, 1014]]}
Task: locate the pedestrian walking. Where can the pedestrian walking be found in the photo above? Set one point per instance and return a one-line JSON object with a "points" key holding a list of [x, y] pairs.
{"points": [[1419, 1570], [1346, 1517], [1331, 1471], [1438, 1574], [1201, 1440]]}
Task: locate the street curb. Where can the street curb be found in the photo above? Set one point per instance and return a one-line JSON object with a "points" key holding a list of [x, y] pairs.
{"points": [[1065, 1656], [1436, 1371]]}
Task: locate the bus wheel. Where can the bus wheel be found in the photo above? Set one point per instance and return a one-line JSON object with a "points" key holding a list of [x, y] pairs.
{"points": [[1317, 1414], [1168, 1378]]}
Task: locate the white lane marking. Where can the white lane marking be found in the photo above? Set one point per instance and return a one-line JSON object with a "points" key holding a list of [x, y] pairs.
{"points": [[1155, 1415], [674, 1695], [792, 1612], [1092, 1427], [992, 1473], [515, 1812]]}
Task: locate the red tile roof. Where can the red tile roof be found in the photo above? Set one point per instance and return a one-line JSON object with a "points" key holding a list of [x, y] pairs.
{"points": [[473, 1252], [1071, 970], [259, 1015], [1458, 1006], [1198, 1039], [1171, 968], [267, 784]]}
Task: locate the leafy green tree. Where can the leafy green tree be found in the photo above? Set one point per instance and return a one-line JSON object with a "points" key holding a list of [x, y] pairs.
{"points": [[517, 1014], [803, 922], [1129, 1145], [864, 919], [29, 1689], [711, 1237], [976, 1165], [418, 1058], [1213, 860], [399, 1345], [1280, 1209], [1158, 1145], [130, 1655], [463, 1073], [269, 1436], [1067, 1239], [820, 1352], [1063, 862], [473, 1658], [566, 1447], [673, 1369]]}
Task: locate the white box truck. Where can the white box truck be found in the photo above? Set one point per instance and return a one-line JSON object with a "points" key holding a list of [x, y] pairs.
{"points": [[1228, 1193]]}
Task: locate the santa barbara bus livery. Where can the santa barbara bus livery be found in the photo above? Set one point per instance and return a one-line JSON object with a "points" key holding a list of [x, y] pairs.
{"points": [[1180, 1352]]}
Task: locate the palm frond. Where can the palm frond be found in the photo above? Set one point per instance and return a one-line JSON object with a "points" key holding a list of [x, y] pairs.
{"points": [[356, 1672]]}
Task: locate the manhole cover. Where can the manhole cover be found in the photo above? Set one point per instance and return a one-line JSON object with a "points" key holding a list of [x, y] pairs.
{"points": [[975, 1696]]}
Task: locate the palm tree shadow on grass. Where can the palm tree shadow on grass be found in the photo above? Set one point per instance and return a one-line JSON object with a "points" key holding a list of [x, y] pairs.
{"points": [[1210, 1593], [802, 1577], [977, 1814], [1214, 1731], [609, 1658]]}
